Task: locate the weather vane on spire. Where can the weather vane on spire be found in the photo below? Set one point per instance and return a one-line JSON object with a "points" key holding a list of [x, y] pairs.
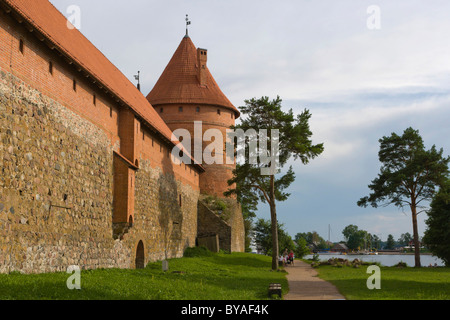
{"points": [[138, 77], [188, 23]]}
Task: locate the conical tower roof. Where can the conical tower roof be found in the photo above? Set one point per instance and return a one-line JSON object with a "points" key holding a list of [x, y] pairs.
{"points": [[179, 83]]}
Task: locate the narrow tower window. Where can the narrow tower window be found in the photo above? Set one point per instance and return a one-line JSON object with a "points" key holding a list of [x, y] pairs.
{"points": [[74, 85], [94, 99], [50, 67], [21, 46], [180, 109], [130, 221]]}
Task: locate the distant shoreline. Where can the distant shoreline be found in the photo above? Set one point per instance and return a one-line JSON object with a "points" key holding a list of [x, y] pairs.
{"points": [[393, 253], [388, 259], [378, 253]]}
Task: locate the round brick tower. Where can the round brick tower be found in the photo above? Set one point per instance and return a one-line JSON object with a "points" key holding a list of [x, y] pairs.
{"points": [[185, 94]]}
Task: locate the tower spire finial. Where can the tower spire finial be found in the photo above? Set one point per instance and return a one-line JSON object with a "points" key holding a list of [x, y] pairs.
{"points": [[188, 23], [138, 77]]}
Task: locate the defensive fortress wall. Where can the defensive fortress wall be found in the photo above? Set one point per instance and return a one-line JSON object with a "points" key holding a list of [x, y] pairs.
{"points": [[85, 179]]}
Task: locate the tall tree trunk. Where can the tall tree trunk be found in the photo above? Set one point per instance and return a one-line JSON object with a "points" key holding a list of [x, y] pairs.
{"points": [[273, 216], [416, 236]]}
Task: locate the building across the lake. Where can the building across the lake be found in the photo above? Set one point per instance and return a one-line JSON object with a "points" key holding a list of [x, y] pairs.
{"points": [[339, 247], [88, 176]]}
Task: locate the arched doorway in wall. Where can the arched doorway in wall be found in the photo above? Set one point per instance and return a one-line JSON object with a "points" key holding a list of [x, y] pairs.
{"points": [[140, 256]]}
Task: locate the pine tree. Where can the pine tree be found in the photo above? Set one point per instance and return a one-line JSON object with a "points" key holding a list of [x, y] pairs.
{"points": [[409, 176], [294, 142], [437, 236]]}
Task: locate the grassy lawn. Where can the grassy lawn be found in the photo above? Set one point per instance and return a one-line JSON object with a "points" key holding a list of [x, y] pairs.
{"points": [[396, 283], [218, 277]]}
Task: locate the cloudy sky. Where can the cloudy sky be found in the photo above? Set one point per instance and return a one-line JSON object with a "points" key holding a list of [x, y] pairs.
{"points": [[361, 78]]}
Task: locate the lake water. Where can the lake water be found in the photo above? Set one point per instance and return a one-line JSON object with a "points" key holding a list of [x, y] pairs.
{"points": [[387, 260]]}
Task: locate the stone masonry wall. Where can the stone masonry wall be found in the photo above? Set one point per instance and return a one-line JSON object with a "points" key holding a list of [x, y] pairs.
{"points": [[57, 148], [55, 186], [229, 225], [56, 192], [210, 224], [236, 222], [167, 225]]}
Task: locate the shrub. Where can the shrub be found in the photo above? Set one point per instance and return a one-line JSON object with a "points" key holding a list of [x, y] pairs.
{"points": [[197, 252], [401, 264], [218, 206]]}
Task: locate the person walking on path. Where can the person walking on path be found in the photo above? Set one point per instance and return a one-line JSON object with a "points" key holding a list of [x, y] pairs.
{"points": [[291, 258], [304, 284]]}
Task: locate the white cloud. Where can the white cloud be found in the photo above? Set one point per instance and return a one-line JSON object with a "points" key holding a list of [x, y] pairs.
{"points": [[318, 61], [348, 131]]}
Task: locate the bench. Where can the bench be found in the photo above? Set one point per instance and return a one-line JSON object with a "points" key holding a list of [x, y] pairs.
{"points": [[275, 288]]}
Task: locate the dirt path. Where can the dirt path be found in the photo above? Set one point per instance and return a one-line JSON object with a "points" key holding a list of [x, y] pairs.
{"points": [[304, 284]]}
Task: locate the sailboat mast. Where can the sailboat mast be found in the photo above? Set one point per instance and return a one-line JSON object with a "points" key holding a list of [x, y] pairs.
{"points": [[329, 243]]}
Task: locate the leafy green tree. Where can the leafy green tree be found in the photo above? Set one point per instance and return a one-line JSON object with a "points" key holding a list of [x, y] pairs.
{"points": [[312, 238], [375, 242], [355, 238], [437, 235], [301, 249], [390, 243], [349, 231], [262, 234], [263, 237], [301, 235], [294, 142], [368, 241], [409, 176], [405, 239], [322, 244]]}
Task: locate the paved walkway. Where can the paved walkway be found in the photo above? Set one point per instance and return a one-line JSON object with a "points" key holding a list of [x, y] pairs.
{"points": [[304, 284]]}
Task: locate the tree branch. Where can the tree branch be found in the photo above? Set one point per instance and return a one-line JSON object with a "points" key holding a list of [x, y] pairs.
{"points": [[263, 191]]}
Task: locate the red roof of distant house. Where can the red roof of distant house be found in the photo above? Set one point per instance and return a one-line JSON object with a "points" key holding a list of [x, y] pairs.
{"points": [[179, 83], [52, 24]]}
